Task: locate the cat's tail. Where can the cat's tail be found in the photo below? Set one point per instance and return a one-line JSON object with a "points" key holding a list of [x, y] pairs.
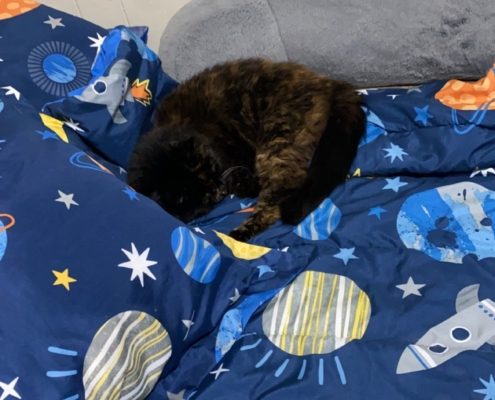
{"points": [[333, 156]]}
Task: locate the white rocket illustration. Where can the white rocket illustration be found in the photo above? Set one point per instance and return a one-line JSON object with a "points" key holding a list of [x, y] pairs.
{"points": [[472, 326]]}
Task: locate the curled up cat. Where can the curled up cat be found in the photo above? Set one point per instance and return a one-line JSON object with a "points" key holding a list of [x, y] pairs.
{"points": [[253, 128]]}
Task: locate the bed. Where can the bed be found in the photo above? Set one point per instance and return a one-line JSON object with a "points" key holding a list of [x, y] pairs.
{"points": [[384, 291]]}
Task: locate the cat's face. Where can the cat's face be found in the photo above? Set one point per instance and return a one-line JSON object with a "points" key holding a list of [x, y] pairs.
{"points": [[186, 196], [176, 176]]}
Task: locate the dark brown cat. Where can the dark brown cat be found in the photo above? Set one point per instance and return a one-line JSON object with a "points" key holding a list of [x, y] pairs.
{"points": [[252, 128]]}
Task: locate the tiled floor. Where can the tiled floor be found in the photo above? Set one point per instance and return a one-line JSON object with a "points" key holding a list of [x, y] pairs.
{"points": [[108, 13]]}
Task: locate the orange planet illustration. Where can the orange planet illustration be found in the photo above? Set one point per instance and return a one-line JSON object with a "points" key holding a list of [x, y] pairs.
{"points": [[461, 95], [9, 9], [4, 226]]}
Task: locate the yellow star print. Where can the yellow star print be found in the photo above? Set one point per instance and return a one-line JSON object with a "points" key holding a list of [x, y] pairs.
{"points": [[63, 278]]}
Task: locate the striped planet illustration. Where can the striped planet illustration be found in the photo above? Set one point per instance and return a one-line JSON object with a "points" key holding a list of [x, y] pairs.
{"points": [[320, 223], [316, 314], [197, 257], [126, 357]]}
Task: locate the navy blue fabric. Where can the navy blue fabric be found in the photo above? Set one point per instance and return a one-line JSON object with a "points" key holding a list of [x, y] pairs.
{"points": [[401, 245], [27, 41], [416, 161], [123, 64], [41, 235], [89, 236]]}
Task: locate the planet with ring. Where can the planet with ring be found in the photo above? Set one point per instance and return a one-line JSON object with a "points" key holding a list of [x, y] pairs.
{"points": [[7, 221]]}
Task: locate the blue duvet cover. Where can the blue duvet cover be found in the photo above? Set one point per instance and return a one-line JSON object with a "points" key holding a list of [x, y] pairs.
{"points": [[386, 291]]}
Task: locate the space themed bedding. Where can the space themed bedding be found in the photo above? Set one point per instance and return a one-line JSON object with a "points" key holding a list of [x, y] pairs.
{"points": [[384, 292], [103, 294], [397, 301]]}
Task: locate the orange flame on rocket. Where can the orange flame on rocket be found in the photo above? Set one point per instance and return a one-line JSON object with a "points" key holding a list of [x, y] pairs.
{"points": [[141, 92]]}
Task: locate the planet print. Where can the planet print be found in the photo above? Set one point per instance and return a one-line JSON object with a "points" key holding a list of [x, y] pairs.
{"points": [[2, 105], [235, 320], [10, 9], [471, 96], [196, 256], [316, 314], [6, 221], [320, 223], [59, 68], [126, 357]]}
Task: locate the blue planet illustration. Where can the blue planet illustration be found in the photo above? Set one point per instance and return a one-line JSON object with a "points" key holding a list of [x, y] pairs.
{"points": [[2, 105], [320, 223], [450, 222], [6, 222], [3, 240], [235, 320], [196, 256], [59, 68]]}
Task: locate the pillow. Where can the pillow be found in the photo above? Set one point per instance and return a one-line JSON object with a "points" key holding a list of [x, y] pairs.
{"points": [[112, 111], [371, 43]]}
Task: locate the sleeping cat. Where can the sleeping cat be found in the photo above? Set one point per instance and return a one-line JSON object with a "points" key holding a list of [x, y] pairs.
{"points": [[251, 128]]}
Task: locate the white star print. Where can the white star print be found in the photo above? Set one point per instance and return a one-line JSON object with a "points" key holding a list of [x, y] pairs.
{"points": [[73, 125], [11, 91], [9, 389], [219, 371], [188, 323], [362, 91], [122, 171], [414, 89], [198, 230], [97, 41], [176, 396], [235, 297], [139, 264], [393, 96], [54, 22], [483, 172], [67, 199], [410, 287]]}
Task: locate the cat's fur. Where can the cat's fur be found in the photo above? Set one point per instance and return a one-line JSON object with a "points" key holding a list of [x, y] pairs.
{"points": [[253, 128]]}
